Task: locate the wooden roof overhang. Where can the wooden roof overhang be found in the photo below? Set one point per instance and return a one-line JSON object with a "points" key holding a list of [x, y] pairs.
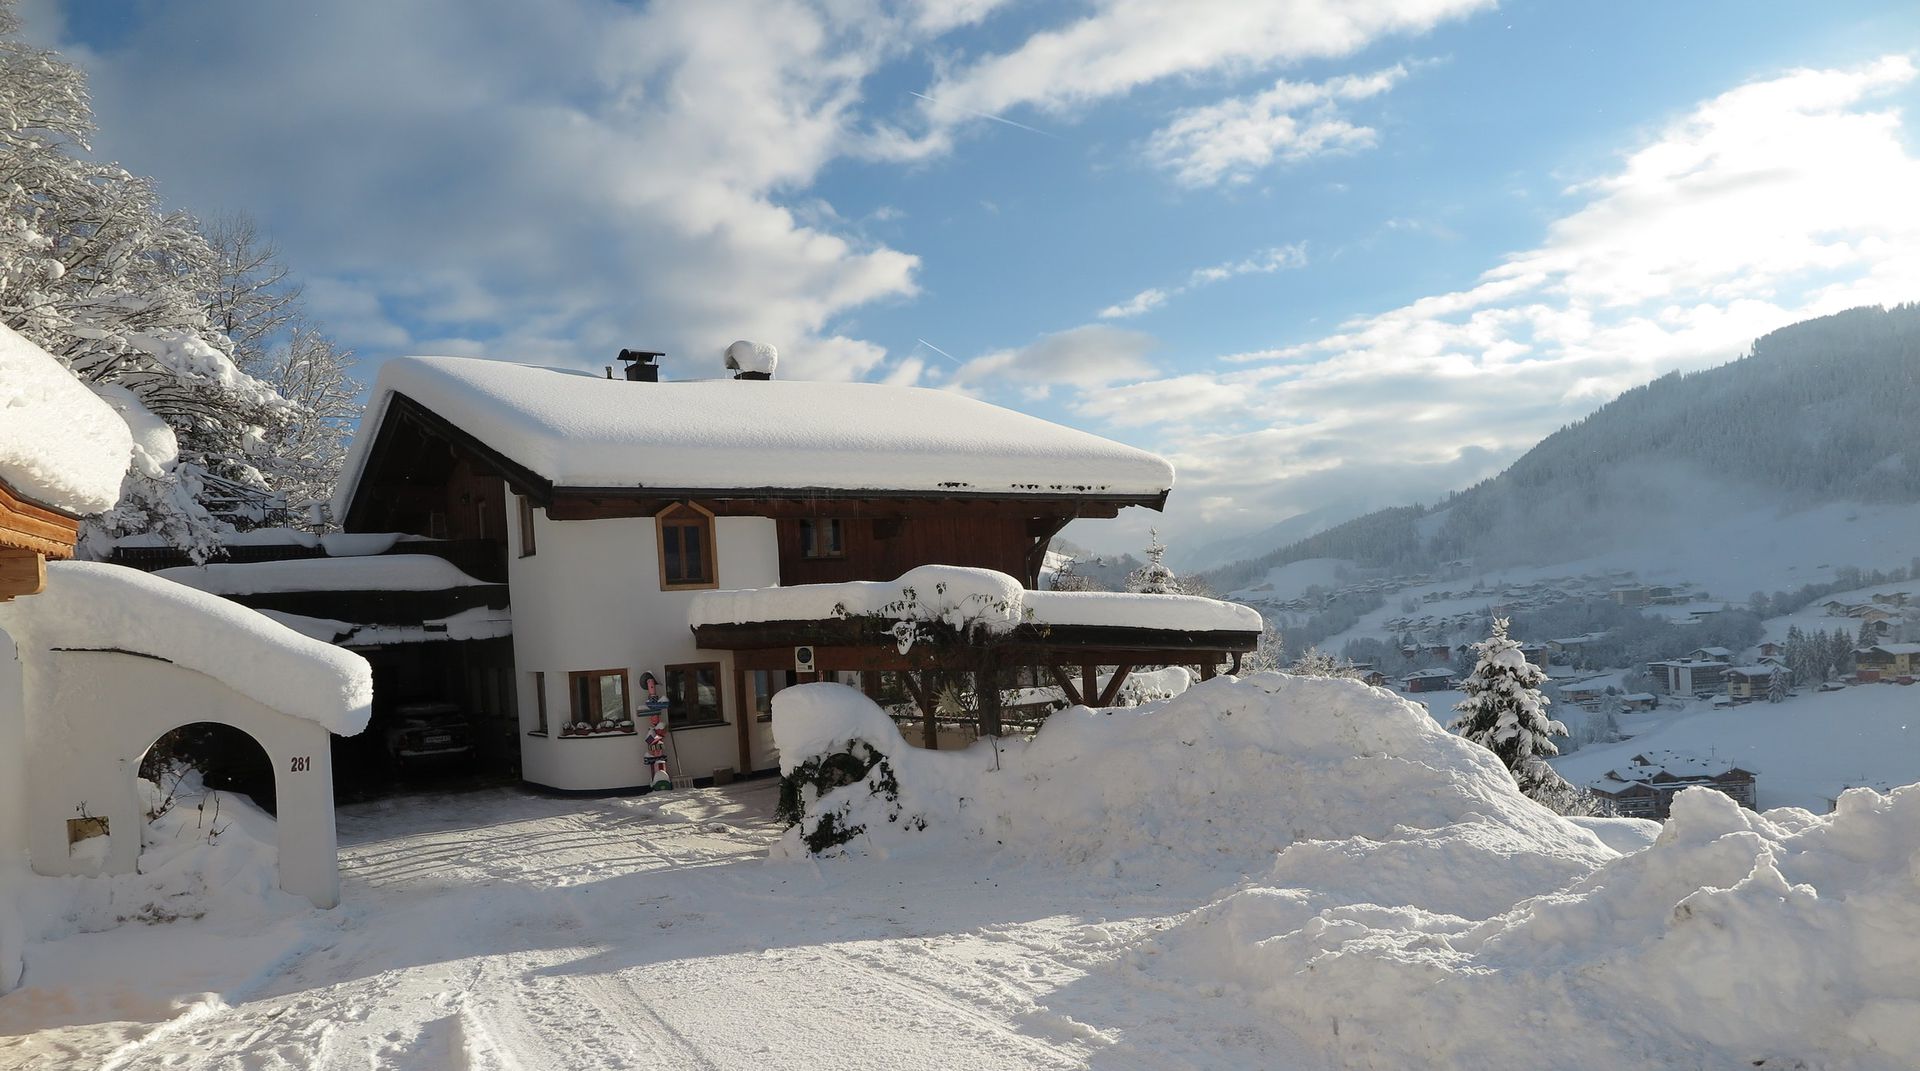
{"points": [[873, 646], [405, 418], [30, 533]]}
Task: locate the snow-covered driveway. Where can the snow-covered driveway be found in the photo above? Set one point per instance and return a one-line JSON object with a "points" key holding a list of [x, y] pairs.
{"points": [[506, 930]]}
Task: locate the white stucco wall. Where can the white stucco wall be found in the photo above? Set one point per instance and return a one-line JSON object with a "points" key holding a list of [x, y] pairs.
{"points": [[13, 760], [590, 599], [92, 715]]}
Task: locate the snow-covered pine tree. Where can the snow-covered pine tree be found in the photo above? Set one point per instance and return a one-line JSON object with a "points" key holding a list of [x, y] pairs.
{"points": [[1154, 578], [1777, 685], [1505, 712]]}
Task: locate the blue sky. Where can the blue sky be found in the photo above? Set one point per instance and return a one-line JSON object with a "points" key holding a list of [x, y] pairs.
{"points": [[1325, 256]]}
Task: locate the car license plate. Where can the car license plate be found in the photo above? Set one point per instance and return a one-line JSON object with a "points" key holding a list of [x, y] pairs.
{"points": [[442, 738]]}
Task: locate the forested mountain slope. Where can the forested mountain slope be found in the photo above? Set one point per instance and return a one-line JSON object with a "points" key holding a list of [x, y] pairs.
{"points": [[1821, 411]]}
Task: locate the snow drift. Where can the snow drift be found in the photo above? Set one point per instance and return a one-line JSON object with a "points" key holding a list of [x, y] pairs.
{"points": [[60, 445], [1393, 896], [1228, 774], [1778, 940]]}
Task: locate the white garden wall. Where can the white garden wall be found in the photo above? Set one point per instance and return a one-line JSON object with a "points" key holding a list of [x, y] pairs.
{"points": [[590, 599], [92, 715]]}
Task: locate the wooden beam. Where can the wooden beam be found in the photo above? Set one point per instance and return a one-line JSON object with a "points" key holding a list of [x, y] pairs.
{"points": [[22, 572], [1112, 691], [1089, 680], [1066, 684]]}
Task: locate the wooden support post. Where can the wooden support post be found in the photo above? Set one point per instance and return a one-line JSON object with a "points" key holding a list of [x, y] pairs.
{"points": [[22, 572], [986, 692], [923, 697], [1207, 669], [1067, 686], [1089, 682], [1112, 691], [743, 715]]}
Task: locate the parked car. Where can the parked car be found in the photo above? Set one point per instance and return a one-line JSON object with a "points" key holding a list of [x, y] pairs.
{"points": [[430, 731]]}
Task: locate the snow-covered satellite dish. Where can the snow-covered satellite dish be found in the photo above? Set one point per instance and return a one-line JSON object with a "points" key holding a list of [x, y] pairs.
{"points": [[755, 359]]}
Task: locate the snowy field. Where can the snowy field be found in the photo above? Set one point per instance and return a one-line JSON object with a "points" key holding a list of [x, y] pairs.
{"points": [[1276, 872], [1804, 751]]}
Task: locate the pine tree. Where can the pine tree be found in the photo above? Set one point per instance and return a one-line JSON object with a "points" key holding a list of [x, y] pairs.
{"points": [[1777, 686], [1154, 578], [1505, 713]]}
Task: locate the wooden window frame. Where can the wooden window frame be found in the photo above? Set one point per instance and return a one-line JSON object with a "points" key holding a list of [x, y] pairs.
{"points": [[673, 516], [814, 526], [692, 702], [527, 543], [539, 704], [573, 697]]}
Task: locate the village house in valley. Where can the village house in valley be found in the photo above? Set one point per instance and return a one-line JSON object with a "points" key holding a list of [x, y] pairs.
{"points": [[1645, 789], [707, 542]]}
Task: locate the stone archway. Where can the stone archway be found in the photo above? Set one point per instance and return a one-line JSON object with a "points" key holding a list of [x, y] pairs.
{"points": [[92, 717]]}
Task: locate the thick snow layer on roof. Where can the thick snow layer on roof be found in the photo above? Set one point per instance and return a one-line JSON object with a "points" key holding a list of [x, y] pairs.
{"points": [[582, 431], [386, 572], [90, 605], [60, 445], [963, 596], [478, 623]]}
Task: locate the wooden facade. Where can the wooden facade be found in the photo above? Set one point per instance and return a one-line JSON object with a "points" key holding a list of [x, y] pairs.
{"points": [[30, 534]]}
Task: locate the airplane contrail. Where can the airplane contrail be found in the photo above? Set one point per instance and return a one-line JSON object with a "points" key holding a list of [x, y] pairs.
{"points": [[989, 115], [938, 350]]}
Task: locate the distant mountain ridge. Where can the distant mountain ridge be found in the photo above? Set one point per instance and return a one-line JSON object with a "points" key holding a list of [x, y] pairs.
{"points": [[1826, 410]]}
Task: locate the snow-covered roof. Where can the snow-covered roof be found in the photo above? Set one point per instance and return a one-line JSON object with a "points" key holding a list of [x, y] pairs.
{"points": [[979, 596], [1752, 671], [387, 572], [1897, 648], [478, 623], [60, 445], [94, 606], [1426, 673], [583, 431]]}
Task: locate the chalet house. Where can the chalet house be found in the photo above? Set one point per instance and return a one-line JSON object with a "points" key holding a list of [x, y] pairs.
{"points": [[1836, 608], [1636, 701], [691, 547], [1645, 789], [1748, 683], [1893, 598], [1428, 680], [1536, 653], [1771, 650], [1710, 654], [1871, 614], [1688, 676], [1631, 595], [1887, 661]]}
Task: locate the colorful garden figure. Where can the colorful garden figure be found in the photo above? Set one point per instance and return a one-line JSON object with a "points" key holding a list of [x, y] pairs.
{"points": [[657, 756]]}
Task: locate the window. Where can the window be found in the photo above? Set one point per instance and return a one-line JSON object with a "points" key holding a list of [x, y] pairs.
{"points": [[686, 547], [821, 538], [540, 703], [693, 695], [765, 683], [526, 527], [599, 703]]}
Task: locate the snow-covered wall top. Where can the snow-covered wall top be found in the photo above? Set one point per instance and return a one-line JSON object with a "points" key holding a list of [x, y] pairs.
{"points": [[90, 605], [390, 572], [583, 431], [60, 445], [962, 595]]}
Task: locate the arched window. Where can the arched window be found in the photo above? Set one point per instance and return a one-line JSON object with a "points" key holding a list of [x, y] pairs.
{"points": [[685, 533]]}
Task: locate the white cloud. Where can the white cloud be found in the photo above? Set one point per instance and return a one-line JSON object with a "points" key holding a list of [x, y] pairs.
{"points": [[1088, 356], [1230, 141], [545, 183], [1777, 201], [1266, 262], [1123, 44]]}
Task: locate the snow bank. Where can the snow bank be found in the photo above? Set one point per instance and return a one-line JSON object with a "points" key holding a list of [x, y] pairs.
{"points": [[583, 431], [1736, 939], [210, 852], [958, 595], [89, 605], [60, 445], [1230, 773], [385, 572]]}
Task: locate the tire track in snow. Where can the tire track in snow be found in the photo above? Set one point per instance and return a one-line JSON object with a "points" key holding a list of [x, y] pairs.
{"points": [[915, 990]]}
